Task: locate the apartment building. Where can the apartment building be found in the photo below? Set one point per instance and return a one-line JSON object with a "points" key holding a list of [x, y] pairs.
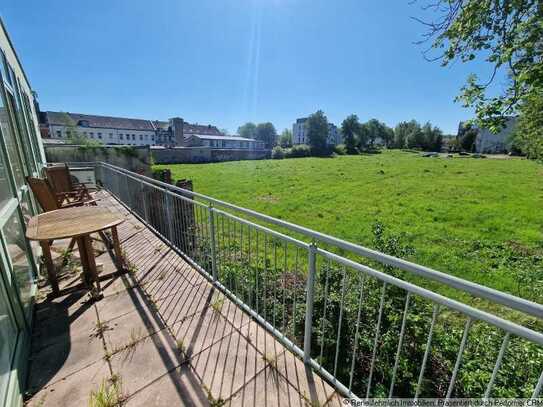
{"points": [[299, 133], [21, 155]]}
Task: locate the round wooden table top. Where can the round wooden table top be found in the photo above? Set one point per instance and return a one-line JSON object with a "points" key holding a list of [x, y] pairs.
{"points": [[71, 222]]}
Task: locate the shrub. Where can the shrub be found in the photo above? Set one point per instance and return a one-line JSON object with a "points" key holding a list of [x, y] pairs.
{"points": [[340, 149], [277, 153], [297, 151]]}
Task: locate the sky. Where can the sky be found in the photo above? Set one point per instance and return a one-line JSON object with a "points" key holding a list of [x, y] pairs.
{"points": [[226, 62]]}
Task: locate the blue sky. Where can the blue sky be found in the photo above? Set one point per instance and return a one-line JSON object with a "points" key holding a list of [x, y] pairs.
{"points": [[226, 62]]}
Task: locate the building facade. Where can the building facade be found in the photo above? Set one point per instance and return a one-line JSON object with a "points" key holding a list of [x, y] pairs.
{"points": [[120, 130], [487, 142], [21, 155], [299, 133]]}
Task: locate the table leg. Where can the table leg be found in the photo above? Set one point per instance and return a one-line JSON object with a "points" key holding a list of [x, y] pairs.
{"points": [[89, 264], [117, 248], [46, 250]]}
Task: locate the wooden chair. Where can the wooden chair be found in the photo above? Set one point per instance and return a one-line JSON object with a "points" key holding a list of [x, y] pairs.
{"points": [[61, 182], [50, 201]]}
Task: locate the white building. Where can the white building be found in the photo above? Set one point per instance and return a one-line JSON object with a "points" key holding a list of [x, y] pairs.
{"points": [[299, 133], [105, 129], [223, 142], [487, 142]]}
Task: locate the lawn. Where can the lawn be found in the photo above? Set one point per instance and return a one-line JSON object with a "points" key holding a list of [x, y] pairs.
{"points": [[479, 219]]}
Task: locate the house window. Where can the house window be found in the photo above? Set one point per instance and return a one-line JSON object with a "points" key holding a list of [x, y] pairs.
{"points": [[133, 137], [121, 136], [110, 135], [59, 134], [141, 137]]}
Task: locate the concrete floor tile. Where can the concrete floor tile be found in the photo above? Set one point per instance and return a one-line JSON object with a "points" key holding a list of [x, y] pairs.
{"points": [[262, 340], [62, 359], [201, 330], [310, 385], [180, 387], [63, 326], [227, 366], [115, 305], [140, 323], [145, 362], [75, 390], [267, 389], [186, 302]]}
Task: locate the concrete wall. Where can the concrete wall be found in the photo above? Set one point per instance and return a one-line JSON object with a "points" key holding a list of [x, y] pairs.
{"points": [[204, 155], [132, 158]]}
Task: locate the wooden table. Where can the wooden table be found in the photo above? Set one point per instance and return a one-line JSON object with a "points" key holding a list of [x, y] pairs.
{"points": [[78, 223]]}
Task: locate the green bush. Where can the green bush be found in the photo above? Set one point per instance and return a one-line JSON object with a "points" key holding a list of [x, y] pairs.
{"points": [[340, 149], [278, 153], [297, 151]]}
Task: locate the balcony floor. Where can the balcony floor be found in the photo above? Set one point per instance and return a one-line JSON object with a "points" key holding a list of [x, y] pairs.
{"points": [[165, 332]]}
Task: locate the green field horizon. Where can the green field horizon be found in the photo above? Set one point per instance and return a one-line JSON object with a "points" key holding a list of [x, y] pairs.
{"points": [[478, 219]]}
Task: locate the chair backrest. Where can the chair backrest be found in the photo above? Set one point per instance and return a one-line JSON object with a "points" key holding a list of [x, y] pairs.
{"points": [[59, 178], [44, 193]]}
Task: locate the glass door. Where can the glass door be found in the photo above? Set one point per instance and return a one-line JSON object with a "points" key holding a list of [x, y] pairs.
{"points": [[8, 339]]}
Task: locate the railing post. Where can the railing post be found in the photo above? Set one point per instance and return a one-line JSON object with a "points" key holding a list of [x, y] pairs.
{"points": [[144, 200], [212, 235], [169, 219], [312, 263]]}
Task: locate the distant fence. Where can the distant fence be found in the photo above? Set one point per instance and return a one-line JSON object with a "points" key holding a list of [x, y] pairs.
{"points": [[343, 308], [179, 155]]}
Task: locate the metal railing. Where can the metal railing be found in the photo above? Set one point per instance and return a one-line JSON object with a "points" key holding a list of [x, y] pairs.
{"points": [[366, 330]]}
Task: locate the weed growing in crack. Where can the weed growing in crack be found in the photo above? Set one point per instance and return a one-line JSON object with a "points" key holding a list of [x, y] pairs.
{"points": [[109, 393]]}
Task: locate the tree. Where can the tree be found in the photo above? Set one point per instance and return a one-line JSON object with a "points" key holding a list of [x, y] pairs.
{"points": [[248, 130], [266, 132], [378, 131], [403, 131], [467, 135], [285, 140], [317, 132], [528, 135], [350, 129], [507, 34]]}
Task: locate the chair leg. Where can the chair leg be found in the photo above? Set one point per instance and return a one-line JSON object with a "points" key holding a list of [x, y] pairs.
{"points": [[50, 267]]}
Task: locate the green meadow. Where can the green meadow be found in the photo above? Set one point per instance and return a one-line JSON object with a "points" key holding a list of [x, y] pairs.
{"points": [[479, 219]]}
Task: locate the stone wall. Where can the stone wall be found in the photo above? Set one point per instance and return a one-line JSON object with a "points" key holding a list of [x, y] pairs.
{"points": [[133, 158], [180, 155]]}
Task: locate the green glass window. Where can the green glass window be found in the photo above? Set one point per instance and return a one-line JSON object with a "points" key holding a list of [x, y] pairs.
{"points": [[11, 144], [20, 265], [5, 189], [8, 338]]}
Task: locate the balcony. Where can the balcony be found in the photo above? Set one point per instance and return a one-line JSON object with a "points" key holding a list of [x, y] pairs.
{"points": [[223, 305], [164, 332]]}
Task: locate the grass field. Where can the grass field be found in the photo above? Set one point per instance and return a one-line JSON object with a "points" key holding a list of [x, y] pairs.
{"points": [[480, 219]]}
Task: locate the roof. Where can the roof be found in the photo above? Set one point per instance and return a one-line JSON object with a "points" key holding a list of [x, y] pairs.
{"points": [[190, 129], [209, 137], [72, 119]]}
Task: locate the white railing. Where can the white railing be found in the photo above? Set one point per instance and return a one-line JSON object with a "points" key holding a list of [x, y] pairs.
{"points": [[368, 331]]}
